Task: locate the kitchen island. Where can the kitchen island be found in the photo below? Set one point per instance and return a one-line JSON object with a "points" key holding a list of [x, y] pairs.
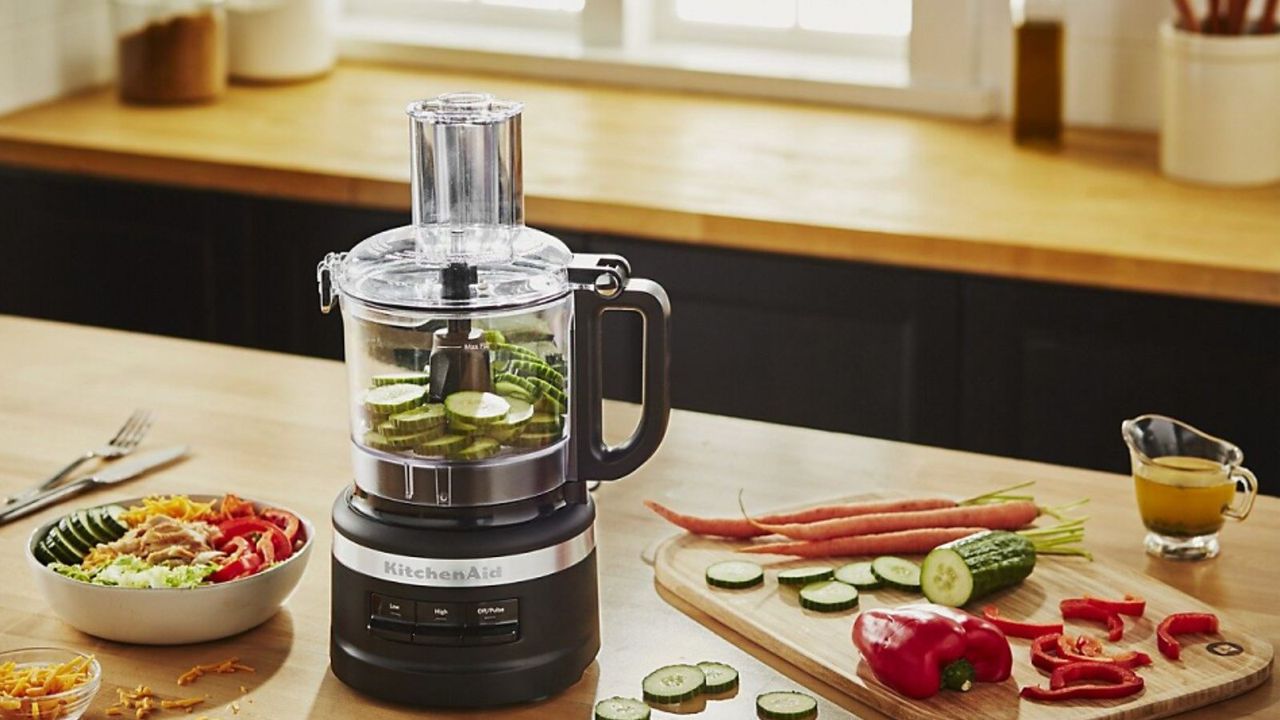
{"points": [[273, 427]]}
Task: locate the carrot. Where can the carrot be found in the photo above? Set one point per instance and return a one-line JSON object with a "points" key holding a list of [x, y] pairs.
{"points": [[1001, 516], [742, 527], [905, 542]]}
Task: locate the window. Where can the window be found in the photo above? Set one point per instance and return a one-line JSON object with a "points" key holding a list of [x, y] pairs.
{"points": [[904, 54]]}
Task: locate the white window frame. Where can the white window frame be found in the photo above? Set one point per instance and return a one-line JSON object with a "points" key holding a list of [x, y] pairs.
{"points": [[947, 67]]}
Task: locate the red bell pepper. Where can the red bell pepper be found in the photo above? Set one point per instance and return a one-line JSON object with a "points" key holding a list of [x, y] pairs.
{"points": [[1089, 649], [241, 561], [1123, 682], [253, 528], [1084, 609], [1131, 605], [1179, 623], [288, 524], [1019, 628], [918, 649]]}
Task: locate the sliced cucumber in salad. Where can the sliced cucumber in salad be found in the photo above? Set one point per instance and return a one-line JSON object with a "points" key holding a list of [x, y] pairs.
{"points": [[76, 533]]}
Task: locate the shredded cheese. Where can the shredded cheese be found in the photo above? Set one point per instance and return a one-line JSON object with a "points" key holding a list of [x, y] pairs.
{"points": [[230, 665], [25, 689], [178, 507], [143, 701]]}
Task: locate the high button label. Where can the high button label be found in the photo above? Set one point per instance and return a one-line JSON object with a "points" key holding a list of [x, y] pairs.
{"points": [[439, 613]]}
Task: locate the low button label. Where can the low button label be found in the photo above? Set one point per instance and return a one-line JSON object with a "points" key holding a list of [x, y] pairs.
{"points": [[395, 608], [499, 611], [439, 613]]}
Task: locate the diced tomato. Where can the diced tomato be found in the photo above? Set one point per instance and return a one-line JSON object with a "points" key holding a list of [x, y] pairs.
{"points": [[287, 522]]}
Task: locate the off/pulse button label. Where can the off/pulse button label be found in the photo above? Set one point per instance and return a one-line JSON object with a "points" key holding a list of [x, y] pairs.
{"points": [[495, 612]]}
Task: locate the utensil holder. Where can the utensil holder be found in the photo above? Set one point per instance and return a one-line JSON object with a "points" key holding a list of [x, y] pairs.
{"points": [[1220, 107], [275, 41]]}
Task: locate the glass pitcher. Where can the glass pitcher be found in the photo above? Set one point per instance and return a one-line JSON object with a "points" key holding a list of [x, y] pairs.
{"points": [[1186, 483]]}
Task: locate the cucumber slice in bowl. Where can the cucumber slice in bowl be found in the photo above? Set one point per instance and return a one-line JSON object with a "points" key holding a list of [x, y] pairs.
{"points": [[786, 705], [673, 684], [112, 518], [897, 573], [803, 575], [401, 378], [473, 407], [620, 708], [972, 567], [721, 678], [735, 575], [418, 419], [828, 596], [859, 575], [480, 449], [389, 399]]}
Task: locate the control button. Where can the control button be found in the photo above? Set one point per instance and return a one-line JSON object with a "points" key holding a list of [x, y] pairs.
{"points": [[496, 634], [495, 611], [397, 630], [450, 635], [391, 608], [440, 613]]}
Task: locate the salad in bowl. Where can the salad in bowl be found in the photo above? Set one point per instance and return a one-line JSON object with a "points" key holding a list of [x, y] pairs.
{"points": [[138, 570]]}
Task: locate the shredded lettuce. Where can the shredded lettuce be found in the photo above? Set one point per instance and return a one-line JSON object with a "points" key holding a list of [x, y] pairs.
{"points": [[133, 572]]}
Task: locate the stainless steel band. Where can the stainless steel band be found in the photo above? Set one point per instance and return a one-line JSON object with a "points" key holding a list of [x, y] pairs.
{"points": [[465, 572], [462, 485]]}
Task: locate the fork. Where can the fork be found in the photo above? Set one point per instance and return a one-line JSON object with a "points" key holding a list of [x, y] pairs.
{"points": [[123, 443]]}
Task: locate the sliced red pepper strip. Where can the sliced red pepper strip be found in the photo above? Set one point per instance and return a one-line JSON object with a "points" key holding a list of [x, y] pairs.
{"points": [[1044, 652], [1019, 628], [253, 527], [241, 561], [1179, 623], [286, 521], [1089, 649], [1131, 605], [1083, 609], [1123, 682]]}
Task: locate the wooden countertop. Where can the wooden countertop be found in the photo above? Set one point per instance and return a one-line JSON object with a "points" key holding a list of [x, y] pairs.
{"points": [[273, 427], [746, 174]]}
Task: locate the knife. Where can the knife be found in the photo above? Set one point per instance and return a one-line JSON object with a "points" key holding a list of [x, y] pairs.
{"points": [[118, 472]]}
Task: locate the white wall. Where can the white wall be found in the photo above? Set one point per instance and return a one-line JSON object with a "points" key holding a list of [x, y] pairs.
{"points": [[52, 47], [1112, 62]]}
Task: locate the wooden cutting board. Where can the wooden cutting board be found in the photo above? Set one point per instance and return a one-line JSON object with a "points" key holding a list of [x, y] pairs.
{"points": [[821, 644]]}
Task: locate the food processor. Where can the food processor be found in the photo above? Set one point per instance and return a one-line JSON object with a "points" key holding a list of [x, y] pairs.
{"points": [[464, 564]]}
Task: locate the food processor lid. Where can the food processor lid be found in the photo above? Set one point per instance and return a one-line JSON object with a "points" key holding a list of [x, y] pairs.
{"points": [[468, 246]]}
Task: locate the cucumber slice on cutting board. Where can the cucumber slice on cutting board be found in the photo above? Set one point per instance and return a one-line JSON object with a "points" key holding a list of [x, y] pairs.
{"points": [[389, 399], [735, 575], [721, 678], [620, 708], [897, 573], [420, 418], [476, 408], [401, 378], [828, 596], [803, 575], [786, 705], [972, 567], [859, 575], [673, 684]]}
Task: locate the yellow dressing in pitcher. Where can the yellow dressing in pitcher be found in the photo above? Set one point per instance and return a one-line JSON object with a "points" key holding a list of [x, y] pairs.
{"points": [[1183, 496]]}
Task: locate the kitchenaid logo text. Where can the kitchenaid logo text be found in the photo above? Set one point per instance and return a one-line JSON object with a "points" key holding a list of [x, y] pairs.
{"points": [[426, 572]]}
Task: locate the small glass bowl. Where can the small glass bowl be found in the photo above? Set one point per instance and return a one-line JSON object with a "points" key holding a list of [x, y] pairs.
{"points": [[66, 705]]}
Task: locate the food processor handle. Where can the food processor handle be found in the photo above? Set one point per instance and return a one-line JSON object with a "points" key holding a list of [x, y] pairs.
{"points": [[595, 459]]}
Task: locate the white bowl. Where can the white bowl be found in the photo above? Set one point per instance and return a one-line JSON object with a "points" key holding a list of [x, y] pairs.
{"points": [[170, 616]]}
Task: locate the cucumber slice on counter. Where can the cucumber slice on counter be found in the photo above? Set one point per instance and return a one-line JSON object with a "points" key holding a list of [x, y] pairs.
{"points": [[442, 446], [545, 423], [390, 399], [720, 677], [786, 705], [828, 596], [529, 439], [859, 575], [967, 569], [420, 418], [476, 408], [401, 378], [620, 708], [112, 518], [735, 575], [511, 390], [804, 575], [897, 573], [479, 449], [673, 684]]}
